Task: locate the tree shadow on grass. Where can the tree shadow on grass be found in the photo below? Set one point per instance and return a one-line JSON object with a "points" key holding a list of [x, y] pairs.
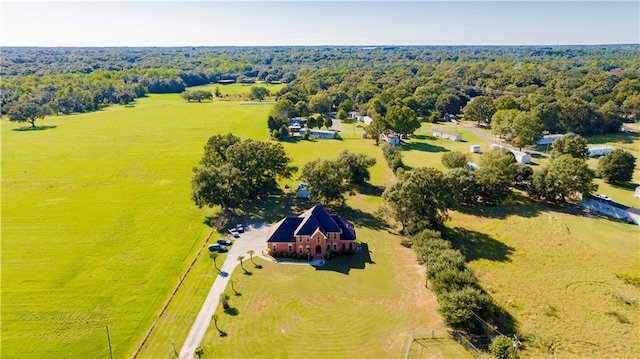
{"points": [[619, 137], [476, 245], [625, 186], [291, 139], [423, 137], [516, 206], [232, 311], [370, 190], [343, 264], [272, 209], [361, 219], [37, 128], [423, 147]]}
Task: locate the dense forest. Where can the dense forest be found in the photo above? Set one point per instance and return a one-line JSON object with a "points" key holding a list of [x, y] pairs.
{"points": [[585, 89]]}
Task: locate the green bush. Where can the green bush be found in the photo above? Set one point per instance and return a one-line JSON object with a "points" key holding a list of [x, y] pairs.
{"points": [[455, 159], [500, 347], [444, 259], [456, 307], [452, 279]]}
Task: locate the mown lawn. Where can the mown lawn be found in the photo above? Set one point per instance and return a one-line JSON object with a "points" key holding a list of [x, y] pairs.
{"points": [[97, 221], [365, 305]]}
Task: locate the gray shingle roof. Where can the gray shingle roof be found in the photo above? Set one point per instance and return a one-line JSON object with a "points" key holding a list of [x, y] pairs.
{"points": [[316, 218]]}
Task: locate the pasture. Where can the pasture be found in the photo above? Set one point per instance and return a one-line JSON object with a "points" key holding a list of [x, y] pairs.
{"points": [[98, 226], [557, 274], [97, 221]]}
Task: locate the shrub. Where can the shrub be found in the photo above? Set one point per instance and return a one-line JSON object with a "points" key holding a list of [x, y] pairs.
{"points": [[444, 259], [452, 279], [393, 155], [456, 309], [500, 347], [455, 159]]}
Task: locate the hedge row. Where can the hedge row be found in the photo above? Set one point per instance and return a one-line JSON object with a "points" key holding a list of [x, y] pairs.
{"points": [[455, 285], [393, 155]]}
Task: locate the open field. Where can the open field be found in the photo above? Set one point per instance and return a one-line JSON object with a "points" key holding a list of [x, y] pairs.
{"points": [[98, 226], [97, 221], [231, 91], [556, 274]]}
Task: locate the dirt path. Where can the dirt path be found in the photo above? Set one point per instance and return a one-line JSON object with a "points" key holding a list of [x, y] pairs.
{"points": [[255, 238]]}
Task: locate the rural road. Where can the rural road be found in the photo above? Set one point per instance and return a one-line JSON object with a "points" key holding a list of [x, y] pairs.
{"points": [[254, 237]]}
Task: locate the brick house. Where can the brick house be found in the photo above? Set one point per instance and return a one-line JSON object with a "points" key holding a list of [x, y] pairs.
{"points": [[315, 232]]}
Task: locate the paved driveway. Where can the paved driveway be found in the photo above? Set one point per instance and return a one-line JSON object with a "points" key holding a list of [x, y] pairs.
{"points": [[254, 237]]}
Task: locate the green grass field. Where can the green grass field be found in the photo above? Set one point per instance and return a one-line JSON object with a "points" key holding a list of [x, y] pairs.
{"points": [[98, 227], [356, 306], [97, 221], [556, 273]]}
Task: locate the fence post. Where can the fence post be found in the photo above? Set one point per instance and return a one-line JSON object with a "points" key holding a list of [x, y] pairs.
{"points": [[406, 354]]}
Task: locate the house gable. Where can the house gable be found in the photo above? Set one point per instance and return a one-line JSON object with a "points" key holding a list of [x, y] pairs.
{"points": [[315, 221]]}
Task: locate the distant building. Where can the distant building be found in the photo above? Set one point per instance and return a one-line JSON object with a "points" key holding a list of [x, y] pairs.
{"points": [[474, 148], [598, 151], [447, 135], [294, 128], [549, 139], [301, 191], [637, 193], [319, 133], [367, 120], [471, 166], [392, 138], [451, 118], [521, 157], [612, 209]]}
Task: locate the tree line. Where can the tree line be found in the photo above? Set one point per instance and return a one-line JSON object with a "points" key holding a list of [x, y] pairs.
{"points": [[584, 89]]}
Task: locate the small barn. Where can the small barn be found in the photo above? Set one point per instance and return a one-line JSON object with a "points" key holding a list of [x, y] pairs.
{"points": [[392, 138], [302, 191], [474, 148], [318, 133], [598, 151], [447, 135]]}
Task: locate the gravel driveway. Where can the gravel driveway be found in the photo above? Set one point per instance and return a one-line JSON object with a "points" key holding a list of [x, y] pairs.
{"points": [[254, 237]]}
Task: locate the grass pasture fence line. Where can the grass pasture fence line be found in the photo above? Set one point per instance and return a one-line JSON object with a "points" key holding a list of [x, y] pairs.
{"points": [[173, 294], [430, 343]]}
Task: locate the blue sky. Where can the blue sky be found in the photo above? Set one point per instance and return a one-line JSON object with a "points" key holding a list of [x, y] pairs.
{"points": [[262, 23]]}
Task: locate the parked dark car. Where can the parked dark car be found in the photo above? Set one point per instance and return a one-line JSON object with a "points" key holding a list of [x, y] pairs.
{"points": [[218, 248], [240, 228], [225, 241]]}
